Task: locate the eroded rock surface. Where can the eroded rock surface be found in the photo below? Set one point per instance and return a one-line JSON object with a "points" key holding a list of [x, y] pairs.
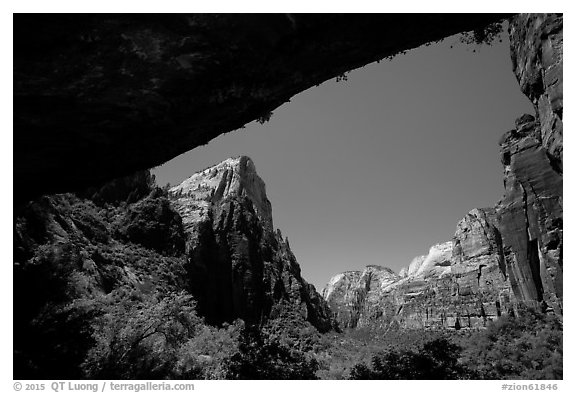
{"points": [[76, 260], [536, 47], [531, 211], [350, 293], [457, 284], [240, 267], [530, 217], [99, 96], [503, 256]]}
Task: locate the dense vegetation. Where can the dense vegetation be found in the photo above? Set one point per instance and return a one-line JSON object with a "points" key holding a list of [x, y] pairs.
{"points": [[528, 346], [102, 291]]}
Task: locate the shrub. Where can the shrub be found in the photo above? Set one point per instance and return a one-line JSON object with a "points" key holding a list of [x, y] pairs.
{"points": [[438, 359], [528, 346], [485, 35], [127, 189], [140, 337], [207, 355], [264, 357]]}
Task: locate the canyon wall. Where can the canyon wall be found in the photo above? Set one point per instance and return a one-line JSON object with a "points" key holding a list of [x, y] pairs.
{"points": [[502, 257], [239, 266], [457, 284], [530, 213], [96, 97], [77, 260]]}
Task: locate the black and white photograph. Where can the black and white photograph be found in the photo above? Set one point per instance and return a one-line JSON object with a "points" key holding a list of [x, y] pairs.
{"points": [[286, 196]]}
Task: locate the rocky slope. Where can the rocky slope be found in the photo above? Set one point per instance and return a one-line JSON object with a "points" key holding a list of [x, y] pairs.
{"points": [[240, 266], [78, 259], [75, 262], [501, 257]]}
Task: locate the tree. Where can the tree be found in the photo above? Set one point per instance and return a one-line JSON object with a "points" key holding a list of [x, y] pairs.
{"points": [[438, 359], [207, 355], [528, 346], [140, 337], [262, 356]]}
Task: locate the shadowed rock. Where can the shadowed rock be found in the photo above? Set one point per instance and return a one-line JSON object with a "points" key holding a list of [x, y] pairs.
{"points": [[536, 48], [530, 218], [503, 256], [73, 259], [99, 96], [239, 266], [531, 211]]}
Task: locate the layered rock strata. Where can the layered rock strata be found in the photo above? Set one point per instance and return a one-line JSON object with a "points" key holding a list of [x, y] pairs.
{"points": [[458, 284], [530, 215], [530, 218], [350, 294], [536, 48], [504, 256]]}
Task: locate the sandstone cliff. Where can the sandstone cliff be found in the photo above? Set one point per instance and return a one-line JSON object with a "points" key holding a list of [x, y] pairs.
{"points": [[457, 284], [114, 94], [536, 48], [239, 266], [503, 256], [350, 294], [212, 237], [530, 213]]}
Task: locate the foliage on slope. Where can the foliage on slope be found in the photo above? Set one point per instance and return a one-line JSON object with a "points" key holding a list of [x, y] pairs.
{"points": [[528, 346], [102, 291]]}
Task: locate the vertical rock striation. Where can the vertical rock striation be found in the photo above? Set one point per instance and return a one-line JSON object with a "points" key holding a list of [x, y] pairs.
{"points": [[352, 294], [501, 256], [457, 284], [478, 268], [530, 213], [530, 217], [239, 266], [536, 42]]}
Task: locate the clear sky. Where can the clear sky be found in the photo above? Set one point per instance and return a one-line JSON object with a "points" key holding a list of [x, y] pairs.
{"points": [[378, 168]]}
